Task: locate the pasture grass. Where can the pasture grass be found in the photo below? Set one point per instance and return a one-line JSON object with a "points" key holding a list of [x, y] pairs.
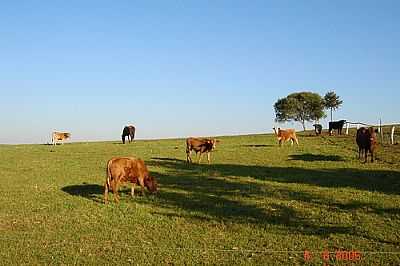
{"points": [[256, 204]]}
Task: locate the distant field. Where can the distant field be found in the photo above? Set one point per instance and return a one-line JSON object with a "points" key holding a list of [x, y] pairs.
{"points": [[255, 204]]}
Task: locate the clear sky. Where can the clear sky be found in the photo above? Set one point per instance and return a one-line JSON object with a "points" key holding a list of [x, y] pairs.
{"points": [[180, 68]]}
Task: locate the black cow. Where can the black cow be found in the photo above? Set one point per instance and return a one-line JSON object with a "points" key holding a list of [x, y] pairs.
{"points": [[318, 129], [367, 142], [129, 131], [336, 125]]}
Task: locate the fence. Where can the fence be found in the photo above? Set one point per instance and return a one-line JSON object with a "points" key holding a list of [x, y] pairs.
{"points": [[391, 129]]}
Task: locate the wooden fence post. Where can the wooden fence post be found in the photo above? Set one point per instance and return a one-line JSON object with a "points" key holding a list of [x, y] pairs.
{"points": [[392, 135]]}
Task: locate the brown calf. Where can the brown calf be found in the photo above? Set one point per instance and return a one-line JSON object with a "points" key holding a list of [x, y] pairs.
{"points": [[59, 136], [284, 135], [202, 145], [127, 169], [367, 142]]}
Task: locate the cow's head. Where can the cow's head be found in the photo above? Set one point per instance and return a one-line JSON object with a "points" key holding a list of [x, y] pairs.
{"points": [[372, 133], [151, 184], [212, 143]]}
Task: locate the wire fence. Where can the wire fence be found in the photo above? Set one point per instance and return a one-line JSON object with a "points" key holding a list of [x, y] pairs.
{"points": [[389, 134]]}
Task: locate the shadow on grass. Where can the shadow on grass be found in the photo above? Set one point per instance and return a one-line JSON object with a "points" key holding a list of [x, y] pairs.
{"points": [[93, 191], [257, 145], [309, 157], [89, 191], [385, 181], [215, 192], [219, 192], [213, 198], [166, 159]]}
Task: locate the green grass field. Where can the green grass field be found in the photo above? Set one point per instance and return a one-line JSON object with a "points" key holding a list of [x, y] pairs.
{"points": [[256, 204]]}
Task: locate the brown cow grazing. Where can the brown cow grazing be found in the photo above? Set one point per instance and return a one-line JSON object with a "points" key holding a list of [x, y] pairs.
{"points": [[202, 145], [367, 142], [59, 137], [128, 131], [127, 169], [284, 135]]}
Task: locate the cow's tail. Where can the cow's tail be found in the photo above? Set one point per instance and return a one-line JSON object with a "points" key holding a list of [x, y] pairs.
{"points": [[108, 174], [133, 133]]}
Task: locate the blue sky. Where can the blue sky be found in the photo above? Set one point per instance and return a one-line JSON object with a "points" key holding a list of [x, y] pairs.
{"points": [[180, 68]]}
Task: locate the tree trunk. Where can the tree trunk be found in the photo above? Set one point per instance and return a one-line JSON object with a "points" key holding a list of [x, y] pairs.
{"points": [[331, 114], [303, 123]]}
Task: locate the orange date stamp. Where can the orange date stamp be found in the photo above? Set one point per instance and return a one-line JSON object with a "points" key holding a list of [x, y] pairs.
{"points": [[339, 256]]}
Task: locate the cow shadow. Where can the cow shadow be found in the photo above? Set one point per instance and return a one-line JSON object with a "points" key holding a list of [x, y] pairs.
{"points": [[167, 159], [88, 191], [257, 145], [309, 157]]}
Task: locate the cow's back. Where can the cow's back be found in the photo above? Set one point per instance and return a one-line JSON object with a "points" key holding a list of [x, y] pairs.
{"points": [[193, 142], [199, 144], [286, 133], [126, 168]]}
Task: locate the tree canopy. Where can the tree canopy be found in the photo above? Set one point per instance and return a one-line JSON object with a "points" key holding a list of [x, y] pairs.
{"points": [[300, 107], [332, 102]]}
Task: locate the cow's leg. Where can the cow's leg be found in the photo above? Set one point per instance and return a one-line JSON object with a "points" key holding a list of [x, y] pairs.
{"points": [[106, 193], [123, 139], [114, 186], [196, 156], [291, 142], [208, 157], [141, 183], [372, 155], [188, 156], [297, 141], [133, 190], [365, 155], [201, 154]]}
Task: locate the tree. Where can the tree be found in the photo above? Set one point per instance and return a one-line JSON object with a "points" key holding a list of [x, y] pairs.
{"points": [[332, 102], [300, 107]]}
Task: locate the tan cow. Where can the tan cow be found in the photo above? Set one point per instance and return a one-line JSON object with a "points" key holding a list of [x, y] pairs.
{"points": [[59, 137], [284, 135], [122, 170], [202, 145]]}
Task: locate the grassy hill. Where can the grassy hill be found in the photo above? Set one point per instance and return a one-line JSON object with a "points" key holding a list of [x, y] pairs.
{"points": [[255, 204]]}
